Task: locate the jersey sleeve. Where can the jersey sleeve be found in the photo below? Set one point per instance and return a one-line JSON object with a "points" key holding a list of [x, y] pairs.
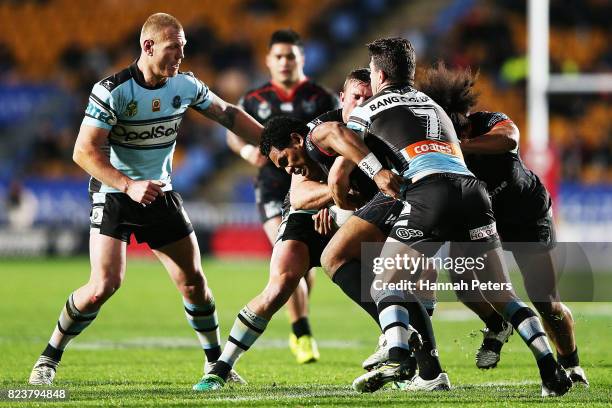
{"points": [[483, 122], [101, 108], [359, 121], [203, 97]]}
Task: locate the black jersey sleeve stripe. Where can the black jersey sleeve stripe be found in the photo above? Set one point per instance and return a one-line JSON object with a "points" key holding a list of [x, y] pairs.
{"points": [[102, 103], [359, 120]]}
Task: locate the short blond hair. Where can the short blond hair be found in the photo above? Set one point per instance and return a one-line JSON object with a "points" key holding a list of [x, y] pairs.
{"points": [[155, 25]]}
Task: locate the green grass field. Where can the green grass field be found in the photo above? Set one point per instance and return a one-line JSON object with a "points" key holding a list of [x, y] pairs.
{"points": [[141, 351]]}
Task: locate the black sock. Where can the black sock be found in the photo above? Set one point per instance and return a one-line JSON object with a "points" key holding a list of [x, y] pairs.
{"points": [[301, 327], [222, 369], [494, 322], [348, 277], [427, 356], [213, 354], [398, 354], [547, 366], [53, 353], [571, 360]]}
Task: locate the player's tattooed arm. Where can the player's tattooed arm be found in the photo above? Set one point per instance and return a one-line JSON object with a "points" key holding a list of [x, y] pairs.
{"points": [[233, 118], [502, 138], [307, 194]]}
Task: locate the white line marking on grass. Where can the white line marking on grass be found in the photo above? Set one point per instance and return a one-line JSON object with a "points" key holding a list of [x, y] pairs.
{"points": [[283, 396], [184, 342], [502, 384]]}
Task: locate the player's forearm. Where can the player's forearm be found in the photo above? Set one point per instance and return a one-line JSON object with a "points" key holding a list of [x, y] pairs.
{"points": [[338, 181], [310, 195], [246, 127], [97, 165], [498, 140], [234, 142], [234, 119], [344, 141]]}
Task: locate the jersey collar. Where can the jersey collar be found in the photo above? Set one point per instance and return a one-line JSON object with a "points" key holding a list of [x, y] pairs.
{"points": [[287, 96], [139, 77]]}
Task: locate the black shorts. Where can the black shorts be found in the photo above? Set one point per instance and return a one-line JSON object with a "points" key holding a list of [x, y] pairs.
{"points": [[160, 223], [446, 207], [381, 211], [271, 186], [299, 226], [525, 222]]}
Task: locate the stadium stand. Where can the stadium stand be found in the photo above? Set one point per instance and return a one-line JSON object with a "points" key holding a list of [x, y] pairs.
{"points": [[52, 51]]}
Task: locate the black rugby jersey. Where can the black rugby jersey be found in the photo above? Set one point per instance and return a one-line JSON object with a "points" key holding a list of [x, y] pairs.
{"points": [[505, 174], [358, 179], [414, 128], [305, 101]]}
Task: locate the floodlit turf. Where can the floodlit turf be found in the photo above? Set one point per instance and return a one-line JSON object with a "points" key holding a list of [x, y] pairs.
{"points": [[141, 351]]}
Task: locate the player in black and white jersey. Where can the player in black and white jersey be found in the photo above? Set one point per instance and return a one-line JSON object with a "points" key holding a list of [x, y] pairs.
{"points": [[298, 246], [126, 143], [443, 202], [523, 211], [288, 92]]}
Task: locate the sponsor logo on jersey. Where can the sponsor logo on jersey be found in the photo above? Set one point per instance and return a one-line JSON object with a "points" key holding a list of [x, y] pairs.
{"points": [[286, 107], [97, 113], [145, 135], [431, 146], [156, 105], [483, 232], [408, 233], [264, 110], [131, 109], [396, 99], [176, 102]]}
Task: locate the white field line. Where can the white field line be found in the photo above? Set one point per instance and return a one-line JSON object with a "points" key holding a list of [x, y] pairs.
{"points": [[188, 342]]}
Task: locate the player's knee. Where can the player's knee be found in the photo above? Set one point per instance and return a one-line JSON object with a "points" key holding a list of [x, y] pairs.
{"points": [[105, 288], [331, 260], [193, 286]]}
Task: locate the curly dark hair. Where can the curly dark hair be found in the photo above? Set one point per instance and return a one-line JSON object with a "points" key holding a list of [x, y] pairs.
{"points": [[277, 133], [395, 57], [452, 90]]}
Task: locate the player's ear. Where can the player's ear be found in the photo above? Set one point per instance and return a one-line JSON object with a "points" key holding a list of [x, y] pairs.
{"points": [[297, 139], [147, 47]]}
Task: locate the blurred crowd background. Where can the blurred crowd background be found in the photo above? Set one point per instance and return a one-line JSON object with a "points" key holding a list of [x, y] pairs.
{"points": [[53, 51]]}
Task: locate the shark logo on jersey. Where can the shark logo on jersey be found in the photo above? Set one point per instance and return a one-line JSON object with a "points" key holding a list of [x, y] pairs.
{"points": [[131, 109], [176, 102], [264, 110]]}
